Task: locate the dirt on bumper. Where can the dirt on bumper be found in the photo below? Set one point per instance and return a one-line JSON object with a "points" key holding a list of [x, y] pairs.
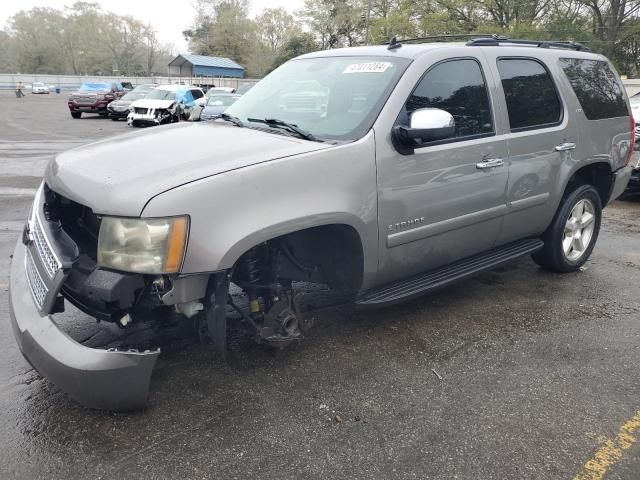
{"points": [[102, 379]]}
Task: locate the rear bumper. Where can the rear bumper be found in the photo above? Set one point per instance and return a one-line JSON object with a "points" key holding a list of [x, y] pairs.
{"points": [[103, 379], [620, 181]]}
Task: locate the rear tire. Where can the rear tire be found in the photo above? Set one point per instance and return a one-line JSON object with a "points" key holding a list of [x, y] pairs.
{"points": [[76, 114], [572, 235]]}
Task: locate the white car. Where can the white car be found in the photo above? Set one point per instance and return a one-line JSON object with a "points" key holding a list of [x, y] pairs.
{"points": [[164, 104], [39, 87]]}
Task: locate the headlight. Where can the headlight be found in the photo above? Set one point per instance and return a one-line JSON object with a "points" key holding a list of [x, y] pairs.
{"points": [[153, 245]]}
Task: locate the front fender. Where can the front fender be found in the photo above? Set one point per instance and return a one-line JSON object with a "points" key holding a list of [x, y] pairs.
{"points": [[234, 211]]}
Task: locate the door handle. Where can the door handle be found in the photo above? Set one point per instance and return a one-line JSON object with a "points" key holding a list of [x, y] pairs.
{"points": [[490, 163], [563, 147]]}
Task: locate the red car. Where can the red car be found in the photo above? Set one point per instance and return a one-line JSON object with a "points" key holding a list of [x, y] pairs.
{"points": [[94, 98]]}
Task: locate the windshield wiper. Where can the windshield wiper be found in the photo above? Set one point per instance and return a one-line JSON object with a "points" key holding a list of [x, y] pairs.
{"points": [[230, 118], [291, 127]]}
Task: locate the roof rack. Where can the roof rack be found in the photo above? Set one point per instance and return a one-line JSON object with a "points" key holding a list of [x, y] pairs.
{"points": [[395, 43], [484, 40], [496, 40]]}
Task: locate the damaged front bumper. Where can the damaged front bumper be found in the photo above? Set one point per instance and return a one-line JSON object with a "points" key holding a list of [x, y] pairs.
{"points": [[96, 378], [151, 118], [103, 379]]}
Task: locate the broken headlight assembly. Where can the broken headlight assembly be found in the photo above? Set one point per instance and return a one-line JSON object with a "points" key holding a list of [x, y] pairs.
{"points": [[143, 245]]}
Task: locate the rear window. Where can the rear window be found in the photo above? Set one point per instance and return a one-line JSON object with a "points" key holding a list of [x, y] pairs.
{"points": [[531, 96], [597, 88]]}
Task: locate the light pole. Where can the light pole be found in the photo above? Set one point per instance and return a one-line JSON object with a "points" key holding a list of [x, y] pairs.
{"points": [[366, 24]]}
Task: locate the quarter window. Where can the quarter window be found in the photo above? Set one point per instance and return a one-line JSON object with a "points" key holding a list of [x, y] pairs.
{"points": [[597, 88], [457, 86], [531, 96]]}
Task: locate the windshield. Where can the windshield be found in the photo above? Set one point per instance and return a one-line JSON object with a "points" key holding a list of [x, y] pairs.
{"points": [[221, 100], [331, 98], [131, 96], [160, 94], [94, 86], [38, 84]]}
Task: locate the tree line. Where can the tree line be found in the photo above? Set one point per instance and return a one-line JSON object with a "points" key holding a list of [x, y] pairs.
{"points": [[80, 40], [223, 27], [84, 39]]}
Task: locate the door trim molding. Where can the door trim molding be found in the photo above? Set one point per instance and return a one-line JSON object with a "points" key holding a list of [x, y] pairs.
{"points": [[437, 228], [528, 202]]}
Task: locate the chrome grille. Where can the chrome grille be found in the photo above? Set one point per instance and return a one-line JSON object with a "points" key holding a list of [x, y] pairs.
{"points": [[141, 111], [51, 263], [36, 284], [85, 99]]}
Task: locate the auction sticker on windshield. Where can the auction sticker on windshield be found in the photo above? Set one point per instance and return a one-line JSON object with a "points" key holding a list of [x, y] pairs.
{"points": [[369, 67]]}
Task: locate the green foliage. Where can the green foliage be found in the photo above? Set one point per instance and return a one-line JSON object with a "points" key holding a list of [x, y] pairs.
{"points": [[295, 46], [81, 39], [85, 39]]}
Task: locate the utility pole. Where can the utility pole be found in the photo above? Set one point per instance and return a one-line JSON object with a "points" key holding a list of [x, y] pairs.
{"points": [[366, 24]]}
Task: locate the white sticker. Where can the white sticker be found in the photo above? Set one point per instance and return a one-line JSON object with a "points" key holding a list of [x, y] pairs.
{"points": [[369, 67]]}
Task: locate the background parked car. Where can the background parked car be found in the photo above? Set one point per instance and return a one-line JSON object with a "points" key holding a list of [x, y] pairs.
{"points": [[94, 98], [216, 90], [244, 88], [120, 108], [216, 104], [39, 87], [165, 104]]}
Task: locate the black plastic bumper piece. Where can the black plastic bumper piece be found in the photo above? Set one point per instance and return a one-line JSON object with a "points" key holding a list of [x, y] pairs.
{"points": [[103, 294]]}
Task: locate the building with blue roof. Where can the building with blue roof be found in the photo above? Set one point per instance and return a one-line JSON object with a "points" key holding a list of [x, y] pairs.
{"points": [[187, 65]]}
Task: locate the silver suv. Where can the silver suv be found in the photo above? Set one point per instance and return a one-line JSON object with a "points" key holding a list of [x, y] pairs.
{"points": [[392, 171]]}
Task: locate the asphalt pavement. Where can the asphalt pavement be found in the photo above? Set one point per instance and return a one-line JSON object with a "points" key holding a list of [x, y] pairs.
{"points": [[515, 374]]}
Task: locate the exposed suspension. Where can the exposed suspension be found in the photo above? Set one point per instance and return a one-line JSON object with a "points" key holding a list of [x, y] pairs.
{"points": [[272, 310]]}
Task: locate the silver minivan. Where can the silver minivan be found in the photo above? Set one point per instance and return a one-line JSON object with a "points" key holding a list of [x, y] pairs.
{"points": [[382, 172]]}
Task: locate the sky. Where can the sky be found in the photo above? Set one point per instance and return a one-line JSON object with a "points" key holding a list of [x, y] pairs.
{"points": [[169, 21]]}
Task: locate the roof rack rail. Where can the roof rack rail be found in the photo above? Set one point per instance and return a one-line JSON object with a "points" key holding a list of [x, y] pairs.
{"points": [[395, 43], [496, 40]]}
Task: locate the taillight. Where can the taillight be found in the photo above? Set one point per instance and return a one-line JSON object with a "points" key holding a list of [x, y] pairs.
{"points": [[632, 145]]}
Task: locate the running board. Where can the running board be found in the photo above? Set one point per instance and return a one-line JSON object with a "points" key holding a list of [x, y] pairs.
{"points": [[440, 277]]}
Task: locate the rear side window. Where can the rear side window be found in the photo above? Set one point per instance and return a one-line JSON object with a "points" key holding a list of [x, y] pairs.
{"points": [[597, 88], [458, 87], [196, 94], [532, 99]]}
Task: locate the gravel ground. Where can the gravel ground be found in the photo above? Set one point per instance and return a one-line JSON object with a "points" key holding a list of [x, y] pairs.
{"points": [[535, 371]]}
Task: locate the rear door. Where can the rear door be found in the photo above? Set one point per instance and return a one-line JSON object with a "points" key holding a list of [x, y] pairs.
{"points": [[542, 136]]}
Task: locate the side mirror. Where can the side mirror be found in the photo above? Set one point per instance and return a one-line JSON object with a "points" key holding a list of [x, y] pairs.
{"points": [[426, 125]]}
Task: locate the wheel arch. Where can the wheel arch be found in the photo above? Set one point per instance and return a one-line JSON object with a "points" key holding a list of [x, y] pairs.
{"points": [[598, 174], [339, 239]]}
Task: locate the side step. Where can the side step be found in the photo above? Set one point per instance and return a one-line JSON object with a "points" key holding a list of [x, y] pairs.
{"points": [[440, 277]]}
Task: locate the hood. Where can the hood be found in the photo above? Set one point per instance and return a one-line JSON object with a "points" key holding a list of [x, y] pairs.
{"points": [[151, 103], [119, 175]]}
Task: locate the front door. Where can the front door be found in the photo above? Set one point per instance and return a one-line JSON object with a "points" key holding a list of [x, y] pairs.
{"points": [[446, 201]]}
